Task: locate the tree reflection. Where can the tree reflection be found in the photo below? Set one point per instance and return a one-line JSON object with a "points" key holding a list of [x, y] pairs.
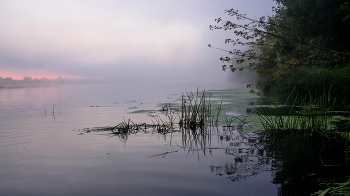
{"points": [[250, 158], [307, 162], [302, 163]]}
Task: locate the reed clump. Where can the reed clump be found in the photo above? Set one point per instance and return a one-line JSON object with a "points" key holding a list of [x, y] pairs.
{"points": [[197, 111]]}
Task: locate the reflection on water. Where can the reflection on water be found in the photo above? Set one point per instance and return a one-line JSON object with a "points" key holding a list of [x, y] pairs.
{"points": [[43, 153], [249, 157], [299, 164], [306, 163], [70, 149]]}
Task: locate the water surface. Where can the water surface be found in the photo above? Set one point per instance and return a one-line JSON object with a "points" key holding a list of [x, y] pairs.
{"points": [[49, 146]]}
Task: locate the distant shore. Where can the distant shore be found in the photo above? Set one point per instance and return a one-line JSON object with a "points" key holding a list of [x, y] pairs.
{"points": [[43, 82]]}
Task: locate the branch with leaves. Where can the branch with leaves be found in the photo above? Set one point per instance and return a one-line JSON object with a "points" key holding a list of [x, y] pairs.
{"points": [[275, 48]]}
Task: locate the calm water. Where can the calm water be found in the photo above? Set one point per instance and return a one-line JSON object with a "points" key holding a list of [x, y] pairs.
{"points": [[45, 148]]}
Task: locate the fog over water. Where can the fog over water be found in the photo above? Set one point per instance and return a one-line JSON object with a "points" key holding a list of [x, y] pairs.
{"points": [[112, 97], [123, 41]]}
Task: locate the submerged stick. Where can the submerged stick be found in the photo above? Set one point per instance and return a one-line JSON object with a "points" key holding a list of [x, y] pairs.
{"points": [[163, 154]]}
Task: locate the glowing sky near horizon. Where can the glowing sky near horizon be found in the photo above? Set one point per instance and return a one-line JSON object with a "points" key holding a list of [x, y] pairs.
{"points": [[114, 39]]}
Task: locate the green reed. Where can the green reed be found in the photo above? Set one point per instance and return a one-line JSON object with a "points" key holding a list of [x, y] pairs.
{"points": [[311, 117], [336, 189], [197, 111], [164, 125], [239, 121], [310, 114]]}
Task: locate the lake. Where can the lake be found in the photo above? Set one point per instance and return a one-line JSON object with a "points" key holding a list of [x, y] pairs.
{"points": [[54, 141]]}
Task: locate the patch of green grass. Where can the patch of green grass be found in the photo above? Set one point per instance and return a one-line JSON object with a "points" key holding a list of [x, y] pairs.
{"points": [[306, 82]]}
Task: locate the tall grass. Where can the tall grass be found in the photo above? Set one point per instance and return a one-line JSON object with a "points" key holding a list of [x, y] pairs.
{"points": [[336, 189], [308, 113], [197, 111], [310, 82], [311, 116], [310, 122]]}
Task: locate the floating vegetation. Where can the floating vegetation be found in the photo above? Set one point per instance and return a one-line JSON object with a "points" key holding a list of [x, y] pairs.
{"points": [[126, 127], [167, 124]]}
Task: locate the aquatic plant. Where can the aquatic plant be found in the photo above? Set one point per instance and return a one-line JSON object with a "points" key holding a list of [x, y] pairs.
{"points": [[127, 127], [318, 122], [164, 125], [310, 81], [336, 189], [197, 112], [239, 121], [310, 114]]}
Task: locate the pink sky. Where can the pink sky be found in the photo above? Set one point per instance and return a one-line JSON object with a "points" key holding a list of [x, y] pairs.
{"points": [[33, 76]]}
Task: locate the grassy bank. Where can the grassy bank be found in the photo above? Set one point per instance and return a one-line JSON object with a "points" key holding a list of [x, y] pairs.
{"points": [[310, 82]]}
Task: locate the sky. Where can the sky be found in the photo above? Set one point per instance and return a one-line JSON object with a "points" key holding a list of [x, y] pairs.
{"points": [[134, 40]]}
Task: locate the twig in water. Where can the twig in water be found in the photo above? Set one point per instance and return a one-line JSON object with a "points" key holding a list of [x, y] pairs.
{"points": [[163, 154]]}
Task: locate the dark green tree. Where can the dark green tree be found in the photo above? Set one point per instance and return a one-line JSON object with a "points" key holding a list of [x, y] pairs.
{"points": [[301, 33]]}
